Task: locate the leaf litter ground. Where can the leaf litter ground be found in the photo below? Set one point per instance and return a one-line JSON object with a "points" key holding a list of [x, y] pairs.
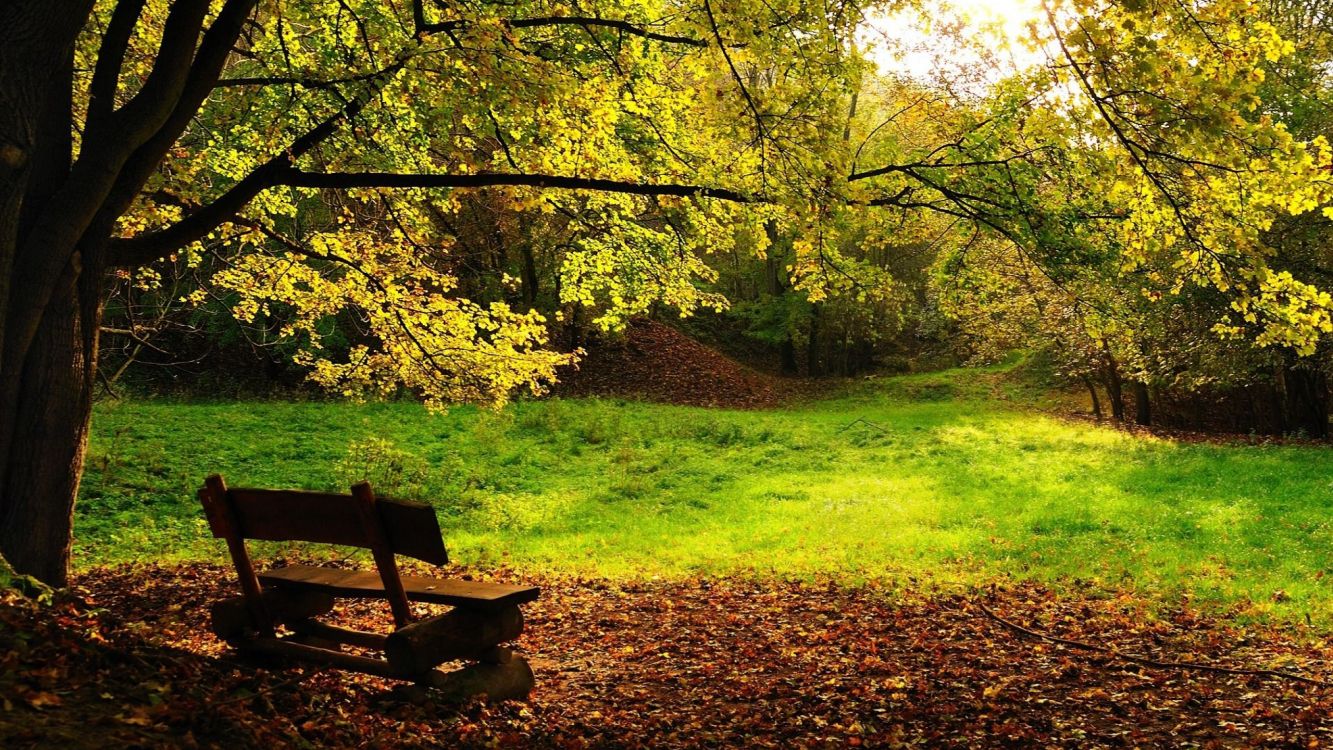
{"points": [[125, 660]]}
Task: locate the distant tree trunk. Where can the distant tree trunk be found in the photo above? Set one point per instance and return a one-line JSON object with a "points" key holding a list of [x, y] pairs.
{"points": [[812, 363], [1096, 402], [1251, 412], [775, 283], [1275, 406], [1305, 401], [530, 280], [1114, 387], [575, 329], [1142, 403], [865, 356], [788, 354]]}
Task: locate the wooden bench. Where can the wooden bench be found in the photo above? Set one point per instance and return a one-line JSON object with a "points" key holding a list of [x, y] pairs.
{"points": [[485, 615]]}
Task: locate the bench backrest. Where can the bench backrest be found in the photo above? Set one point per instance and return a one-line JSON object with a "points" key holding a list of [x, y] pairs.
{"points": [[409, 529], [385, 527]]}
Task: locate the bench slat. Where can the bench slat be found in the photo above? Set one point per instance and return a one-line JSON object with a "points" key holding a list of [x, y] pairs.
{"points": [[327, 518], [363, 584]]}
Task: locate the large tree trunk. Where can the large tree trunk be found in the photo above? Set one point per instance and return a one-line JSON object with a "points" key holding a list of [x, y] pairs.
{"points": [[57, 216], [49, 425], [47, 351]]}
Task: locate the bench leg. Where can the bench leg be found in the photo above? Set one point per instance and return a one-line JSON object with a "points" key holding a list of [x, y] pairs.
{"points": [[509, 680], [231, 620], [307, 639], [457, 634], [334, 634], [292, 649]]}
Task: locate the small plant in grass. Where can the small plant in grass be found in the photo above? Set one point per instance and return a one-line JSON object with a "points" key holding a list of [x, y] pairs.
{"points": [[108, 460], [391, 471], [721, 433], [549, 417], [637, 474], [601, 428], [490, 431], [515, 511]]}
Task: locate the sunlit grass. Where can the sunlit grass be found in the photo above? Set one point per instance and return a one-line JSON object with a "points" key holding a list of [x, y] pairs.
{"points": [[944, 481]]}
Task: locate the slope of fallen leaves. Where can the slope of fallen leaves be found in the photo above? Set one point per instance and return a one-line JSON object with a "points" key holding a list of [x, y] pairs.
{"points": [[656, 362], [126, 661]]}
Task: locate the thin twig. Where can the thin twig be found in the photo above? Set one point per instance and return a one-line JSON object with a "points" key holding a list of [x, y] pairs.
{"points": [[1145, 661], [864, 421], [106, 384]]}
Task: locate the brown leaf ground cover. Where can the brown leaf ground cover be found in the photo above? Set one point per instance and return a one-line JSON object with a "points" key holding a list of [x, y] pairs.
{"points": [[710, 662], [655, 362]]}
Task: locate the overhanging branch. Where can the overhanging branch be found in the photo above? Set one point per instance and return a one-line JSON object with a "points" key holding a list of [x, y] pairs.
{"points": [[349, 180], [279, 172]]}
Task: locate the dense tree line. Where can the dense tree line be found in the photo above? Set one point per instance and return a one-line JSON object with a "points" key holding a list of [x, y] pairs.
{"points": [[1155, 351]]}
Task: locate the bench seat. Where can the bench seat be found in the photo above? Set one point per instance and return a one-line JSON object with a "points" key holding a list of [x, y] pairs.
{"points": [[365, 584]]}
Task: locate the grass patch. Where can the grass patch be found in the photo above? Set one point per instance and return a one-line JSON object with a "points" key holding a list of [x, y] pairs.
{"points": [[944, 480]]}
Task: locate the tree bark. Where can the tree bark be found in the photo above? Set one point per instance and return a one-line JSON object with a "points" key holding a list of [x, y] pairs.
{"points": [[47, 352], [49, 428]]}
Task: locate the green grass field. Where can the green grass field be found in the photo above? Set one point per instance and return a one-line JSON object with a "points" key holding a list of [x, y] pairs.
{"points": [[948, 480]]}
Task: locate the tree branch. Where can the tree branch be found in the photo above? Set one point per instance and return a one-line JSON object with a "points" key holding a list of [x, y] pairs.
{"points": [[587, 22], [110, 59], [204, 72], [153, 104], [305, 83], [760, 130], [347, 180], [196, 225], [908, 168]]}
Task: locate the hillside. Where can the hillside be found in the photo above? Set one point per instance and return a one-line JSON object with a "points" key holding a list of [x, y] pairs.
{"points": [[655, 362]]}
